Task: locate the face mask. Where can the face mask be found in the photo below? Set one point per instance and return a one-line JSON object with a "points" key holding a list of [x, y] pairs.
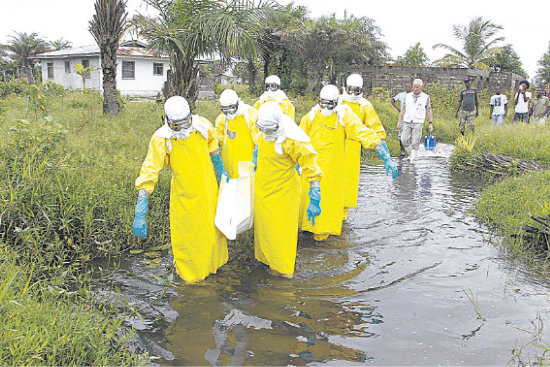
{"points": [[353, 98], [270, 94], [327, 107]]}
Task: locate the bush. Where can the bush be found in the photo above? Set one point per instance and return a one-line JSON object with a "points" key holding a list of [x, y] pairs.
{"points": [[12, 87]]}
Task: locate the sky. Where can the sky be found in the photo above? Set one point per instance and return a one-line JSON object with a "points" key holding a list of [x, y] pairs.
{"points": [[403, 22]]}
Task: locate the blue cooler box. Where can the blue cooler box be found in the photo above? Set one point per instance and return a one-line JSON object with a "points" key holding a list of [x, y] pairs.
{"points": [[429, 142]]}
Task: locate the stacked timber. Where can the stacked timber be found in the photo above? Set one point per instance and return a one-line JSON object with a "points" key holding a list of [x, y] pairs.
{"points": [[500, 164]]}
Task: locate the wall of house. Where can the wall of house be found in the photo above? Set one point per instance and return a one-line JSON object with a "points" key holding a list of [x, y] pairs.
{"points": [[145, 83], [72, 80]]}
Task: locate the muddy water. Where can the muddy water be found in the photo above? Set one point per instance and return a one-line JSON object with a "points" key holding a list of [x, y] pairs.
{"points": [[413, 280]]}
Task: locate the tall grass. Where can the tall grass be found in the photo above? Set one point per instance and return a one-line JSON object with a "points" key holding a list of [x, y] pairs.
{"points": [[66, 192], [41, 326]]}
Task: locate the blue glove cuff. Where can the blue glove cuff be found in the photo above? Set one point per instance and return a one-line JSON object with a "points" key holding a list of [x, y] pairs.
{"points": [[141, 206]]}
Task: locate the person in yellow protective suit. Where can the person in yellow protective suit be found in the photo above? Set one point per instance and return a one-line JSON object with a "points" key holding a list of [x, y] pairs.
{"points": [[329, 124], [236, 130], [188, 145], [353, 97], [282, 145], [273, 92]]}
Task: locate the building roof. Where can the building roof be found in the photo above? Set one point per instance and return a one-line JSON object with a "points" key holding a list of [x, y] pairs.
{"points": [[126, 49]]}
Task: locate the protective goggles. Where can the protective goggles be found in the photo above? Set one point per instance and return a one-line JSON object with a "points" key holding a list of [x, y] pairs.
{"points": [[266, 127], [271, 87], [231, 109], [354, 90], [328, 104], [177, 125]]}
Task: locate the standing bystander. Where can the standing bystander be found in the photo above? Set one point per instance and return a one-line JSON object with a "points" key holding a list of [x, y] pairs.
{"points": [[521, 100], [413, 114], [499, 107], [469, 104], [539, 107], [401, 98]]}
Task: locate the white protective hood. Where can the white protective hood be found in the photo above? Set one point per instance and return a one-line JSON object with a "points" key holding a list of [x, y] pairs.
{"points": [[289, 130], [278, 96]]}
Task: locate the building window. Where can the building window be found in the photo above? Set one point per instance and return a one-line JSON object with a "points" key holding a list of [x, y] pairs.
{"points": [[85, 64], [158, 68], [50, 70], [128, 70], [68, 67]]}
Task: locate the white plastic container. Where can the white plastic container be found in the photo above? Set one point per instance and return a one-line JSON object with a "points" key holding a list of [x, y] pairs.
{"points": [[235, 207]]}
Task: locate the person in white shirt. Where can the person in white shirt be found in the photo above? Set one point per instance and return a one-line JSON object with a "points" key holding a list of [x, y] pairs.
{"points": [[521, 100], [401, 98], [499, 107], [413, 114]]}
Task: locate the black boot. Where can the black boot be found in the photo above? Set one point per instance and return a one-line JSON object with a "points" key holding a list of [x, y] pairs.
{"points": [[402, 149]]}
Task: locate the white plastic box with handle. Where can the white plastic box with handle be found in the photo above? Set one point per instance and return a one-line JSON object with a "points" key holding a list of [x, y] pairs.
{"points": [[235, 207]]}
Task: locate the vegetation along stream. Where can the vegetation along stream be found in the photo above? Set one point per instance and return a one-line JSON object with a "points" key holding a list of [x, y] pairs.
{"points": [[413, 280]]}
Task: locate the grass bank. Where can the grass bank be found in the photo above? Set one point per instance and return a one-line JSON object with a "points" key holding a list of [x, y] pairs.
{"points": [[44, 325]]}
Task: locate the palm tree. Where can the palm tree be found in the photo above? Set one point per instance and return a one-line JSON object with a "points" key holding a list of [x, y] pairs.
{"points": [[189, 29], [22, 46], [60, 44], [107, 26], [478, 45]]}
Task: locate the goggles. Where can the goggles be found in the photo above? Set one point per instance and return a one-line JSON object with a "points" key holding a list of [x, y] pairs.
{"points": [[229, 110], [268, 128], [271, 87], [328, 104], [177, 125], [354, 90]]}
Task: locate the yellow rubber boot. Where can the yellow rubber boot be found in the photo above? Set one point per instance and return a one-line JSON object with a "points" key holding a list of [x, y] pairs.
{"points": [[346, 211], [320, 237]]}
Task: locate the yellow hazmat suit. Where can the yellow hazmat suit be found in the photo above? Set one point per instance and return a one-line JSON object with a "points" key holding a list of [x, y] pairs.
{"points": [[277, 201], [328, 135], [281, 98], [237, 138], [199, 248], [366, 113]]}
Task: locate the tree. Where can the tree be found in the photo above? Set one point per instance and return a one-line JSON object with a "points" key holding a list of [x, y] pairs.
{"points": [[107, 26], [60, 44], [83, 72], [478, 45], [21, 46], [543, 72], [507, 60], [323, 46], [189, 29], [414, 56]]}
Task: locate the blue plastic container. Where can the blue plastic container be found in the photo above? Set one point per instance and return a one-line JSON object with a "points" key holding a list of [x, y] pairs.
{"points": [[429, 142]]}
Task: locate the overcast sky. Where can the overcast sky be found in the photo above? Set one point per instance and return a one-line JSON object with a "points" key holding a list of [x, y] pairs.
{"points": [[526, 22]]}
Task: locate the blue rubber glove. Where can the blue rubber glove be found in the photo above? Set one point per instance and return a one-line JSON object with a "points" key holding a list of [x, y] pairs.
{"points": [[255, 157], [218, 166], [314, 210], [386, 147], [140, 225], [388, 163], [297, 168]]}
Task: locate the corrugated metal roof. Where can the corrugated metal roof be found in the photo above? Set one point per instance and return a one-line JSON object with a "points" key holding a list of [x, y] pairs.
{"points": [[93, 50]]}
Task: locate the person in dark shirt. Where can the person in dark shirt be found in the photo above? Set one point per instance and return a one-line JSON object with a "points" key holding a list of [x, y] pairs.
{"points": [[470, 109]]}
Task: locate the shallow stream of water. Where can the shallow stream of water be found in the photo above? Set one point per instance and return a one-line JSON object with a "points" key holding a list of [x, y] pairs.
{"points": [[413, 280]]}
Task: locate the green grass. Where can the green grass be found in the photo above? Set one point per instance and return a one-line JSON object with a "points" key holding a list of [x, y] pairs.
{"points": [[508, 205], [44, 325]]}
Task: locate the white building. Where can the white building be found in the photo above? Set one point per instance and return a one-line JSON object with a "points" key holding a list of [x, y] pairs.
{"points": [[140, 72]]}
